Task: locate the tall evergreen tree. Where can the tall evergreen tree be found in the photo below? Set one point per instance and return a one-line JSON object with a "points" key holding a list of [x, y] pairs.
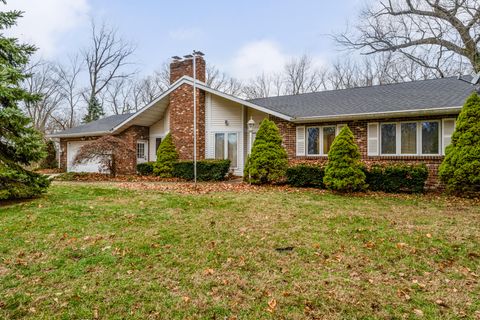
{"points": [[20, 143], [344, 169], [268, 161], [460, 170], [94, 110]]}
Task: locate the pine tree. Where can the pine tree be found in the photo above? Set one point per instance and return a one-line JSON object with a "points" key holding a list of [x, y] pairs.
{"points": [[167, 156], [268, 161], [20, 144], [460, 170], [344, 169], [94, 111]]}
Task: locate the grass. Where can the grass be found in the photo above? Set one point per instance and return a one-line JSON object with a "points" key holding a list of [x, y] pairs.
{"points": [[95, 251]]}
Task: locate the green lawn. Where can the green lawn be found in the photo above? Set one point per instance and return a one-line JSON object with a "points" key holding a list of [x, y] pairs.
{"points": [[88, 251]]}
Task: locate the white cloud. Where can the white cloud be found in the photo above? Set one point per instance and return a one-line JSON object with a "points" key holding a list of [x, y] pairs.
{"points": [[262, 56], [45, 21], [183, 34], [257, 57]]}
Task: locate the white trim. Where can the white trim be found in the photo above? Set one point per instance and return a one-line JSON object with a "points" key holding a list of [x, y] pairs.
{"points": [[376, 115], [398, 142], [77, 135], [241, 101], [146, 152], [320, 139], [225, 150], [200, 85]]}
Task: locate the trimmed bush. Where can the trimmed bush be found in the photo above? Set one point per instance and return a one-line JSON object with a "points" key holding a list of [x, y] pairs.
{"points": [[344, 169], [207, 170], [304, 175], [460, 170], [267, 162], [146, 168], [167, 156], [397, 178]]}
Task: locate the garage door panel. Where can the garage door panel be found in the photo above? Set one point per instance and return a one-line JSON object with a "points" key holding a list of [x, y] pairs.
{"points": [[88, 166]]}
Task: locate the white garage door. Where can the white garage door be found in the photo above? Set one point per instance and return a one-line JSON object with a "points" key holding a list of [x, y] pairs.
{"points": [[72, 149]]}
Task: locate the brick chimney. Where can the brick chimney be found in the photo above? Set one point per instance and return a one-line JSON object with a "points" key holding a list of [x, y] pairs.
{"points": [[180, 68], [181, 109]]}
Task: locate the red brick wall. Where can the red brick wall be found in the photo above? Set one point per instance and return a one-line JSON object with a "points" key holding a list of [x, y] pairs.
{"points": [[181, 110], [359, 129], [130, 135]]}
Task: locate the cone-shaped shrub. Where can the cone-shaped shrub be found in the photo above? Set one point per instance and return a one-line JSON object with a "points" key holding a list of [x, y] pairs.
{"points": [[460, 170], [344, 169], [167, 156], [268, 161]]}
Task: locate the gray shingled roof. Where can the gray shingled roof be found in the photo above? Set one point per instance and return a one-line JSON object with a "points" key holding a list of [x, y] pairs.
{"points": [[416, 95], [101, 125]]}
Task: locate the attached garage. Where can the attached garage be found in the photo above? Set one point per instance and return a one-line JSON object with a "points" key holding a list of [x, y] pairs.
{"points": [[90, 166]]}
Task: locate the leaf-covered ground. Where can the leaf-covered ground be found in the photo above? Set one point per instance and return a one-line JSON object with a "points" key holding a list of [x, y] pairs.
{"points": [[112, 251]]}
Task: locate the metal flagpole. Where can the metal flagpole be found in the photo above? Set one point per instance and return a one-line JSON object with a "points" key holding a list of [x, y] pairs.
{"points": [[194, 118]]}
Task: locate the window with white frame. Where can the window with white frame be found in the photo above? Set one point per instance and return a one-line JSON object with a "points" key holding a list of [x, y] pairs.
{"points": [[410, 138], [320, 139], [226, 147]]}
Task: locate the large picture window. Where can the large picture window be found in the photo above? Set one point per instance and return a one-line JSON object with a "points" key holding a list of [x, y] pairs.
{"points": [[226, 147], [410, 138], [320, 139]]}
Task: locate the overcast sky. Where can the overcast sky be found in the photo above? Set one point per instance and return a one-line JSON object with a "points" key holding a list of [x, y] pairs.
{"points": [[242, 38]]}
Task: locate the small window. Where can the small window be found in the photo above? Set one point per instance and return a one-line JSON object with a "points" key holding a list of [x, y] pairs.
{"points": [[430, 137], [328, 137], [232, 149], [408, 138], [219, 146], [158, 141], [389, 138], [140, 150], [313, 135]]}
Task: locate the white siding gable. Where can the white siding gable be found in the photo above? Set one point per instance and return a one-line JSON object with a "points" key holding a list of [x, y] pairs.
{"points": [[222, 115]]}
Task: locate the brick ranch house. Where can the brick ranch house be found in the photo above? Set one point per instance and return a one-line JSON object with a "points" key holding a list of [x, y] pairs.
{"points": [[409, 122]]}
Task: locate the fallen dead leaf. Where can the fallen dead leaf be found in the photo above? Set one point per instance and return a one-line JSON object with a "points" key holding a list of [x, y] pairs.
{"points": [[208, 272], [418, 312], [272, 305]]}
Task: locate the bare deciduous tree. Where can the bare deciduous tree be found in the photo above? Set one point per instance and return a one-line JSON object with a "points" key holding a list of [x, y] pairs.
{"points": [[435, 34], [301, 76], [222, 82], [69, 87], [105, 59], [262, 86], [45, 83]]}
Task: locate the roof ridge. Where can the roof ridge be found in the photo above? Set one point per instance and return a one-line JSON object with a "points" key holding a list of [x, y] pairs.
{"points": [[359, 87]]}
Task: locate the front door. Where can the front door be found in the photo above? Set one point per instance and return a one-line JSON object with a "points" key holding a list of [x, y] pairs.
{"points": [[142, 151]]}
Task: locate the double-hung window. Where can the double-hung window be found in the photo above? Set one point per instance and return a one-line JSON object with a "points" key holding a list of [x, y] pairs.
{"points": [[320, 139], [410, 138], [226, 147]]}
